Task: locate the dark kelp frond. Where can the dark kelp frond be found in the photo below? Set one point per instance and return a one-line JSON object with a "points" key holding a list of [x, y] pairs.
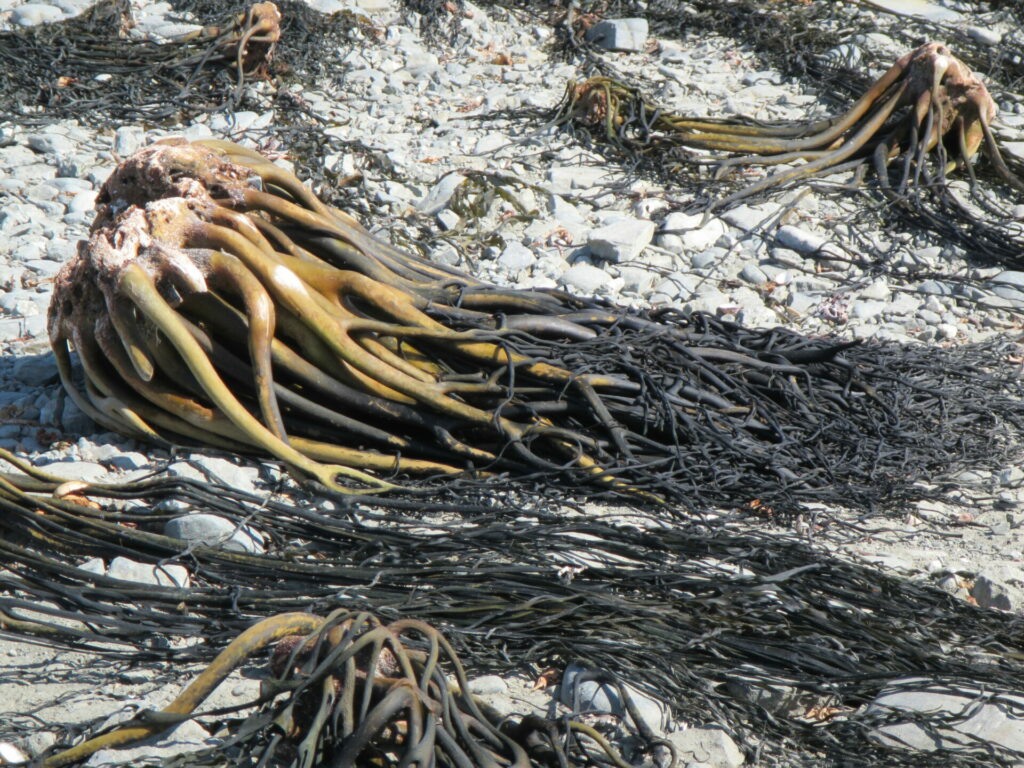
{"points": [[693, 615]]}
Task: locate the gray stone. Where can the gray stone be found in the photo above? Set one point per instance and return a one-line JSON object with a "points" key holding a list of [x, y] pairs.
{"points": [[750, 218], [166, 575], [448, 219], [51, 143], [241, 478], [94, 565], [622, 240], [867, 310], [516, 257], [585, 278], [128, 140], [877, 290], [619, 34], [753, 274], [73, 421], [128, 460], [988, 594], [935, 288], [804, 242], [440, 194], [35, 370], [696, 234], [215, 531], [488, 685], [984, 35], [32, 14], [564, 179], [707, 746], [970, 715], [76, 470], [589, 696], [82, 202], [187, 737]]}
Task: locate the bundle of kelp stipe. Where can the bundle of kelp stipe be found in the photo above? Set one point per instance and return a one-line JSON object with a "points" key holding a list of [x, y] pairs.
{"points": [[709, 620], [218, 301], [93, 69]]}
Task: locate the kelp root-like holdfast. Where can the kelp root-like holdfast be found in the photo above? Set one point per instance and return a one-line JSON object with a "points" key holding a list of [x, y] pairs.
{"points": [[219, 301]]}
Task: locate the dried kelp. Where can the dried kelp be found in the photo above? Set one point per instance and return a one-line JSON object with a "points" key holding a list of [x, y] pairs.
{"points": [[219, 301], [91, 68], [926, 117], [517, 585]]}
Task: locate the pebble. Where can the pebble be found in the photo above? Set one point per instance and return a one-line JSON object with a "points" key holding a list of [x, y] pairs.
{"points": [[215, 531], [32, 14], [623, 240], [589, 696], [166, 575], [585, 278], [986, 722], [695, 233], [440, 194], [619, 34], [708, 746], [516, 257], [488, 685], [988, 594]]}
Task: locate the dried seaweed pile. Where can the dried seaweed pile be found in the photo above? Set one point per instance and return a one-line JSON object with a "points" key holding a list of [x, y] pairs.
{"points": [[218, 301], [516, 585], [916, 152], [90, 68]]}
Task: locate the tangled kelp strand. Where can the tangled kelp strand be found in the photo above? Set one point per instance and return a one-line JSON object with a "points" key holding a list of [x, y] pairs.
{"points": [[676, 611], [91, 69]]}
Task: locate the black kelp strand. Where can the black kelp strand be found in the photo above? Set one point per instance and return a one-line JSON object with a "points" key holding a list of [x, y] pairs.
{"points": [[677, 610]]}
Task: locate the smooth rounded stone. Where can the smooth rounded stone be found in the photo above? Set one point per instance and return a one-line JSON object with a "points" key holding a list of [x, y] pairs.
{"points": [[10, 754], [583, 695], [622, 240], [620, 34], [802, 303], [565, 179], [488, 685], [1011, 477], [585, 278], [73, 421], [35, 370], [70, 185], [448, 219], [636, 279], [234, 122], [804, 242], [984, 35], [82, 202], [671, 243], [128, 139], [129, 460], [947, 331], [750, 218], [33, 14], [50, 143], [516, 257], [845, 55], [935, 288], [166, 575], [877, 290], [776, 698], [215, 531], [753, 274], [696, 233], [187, 737], [708, 746], [989, 594], [38, 743], [87, 471], [960, 717], [439, 195]]}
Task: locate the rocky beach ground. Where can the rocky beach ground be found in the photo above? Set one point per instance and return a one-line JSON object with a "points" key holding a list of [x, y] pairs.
{"points": [[432, 117]]}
